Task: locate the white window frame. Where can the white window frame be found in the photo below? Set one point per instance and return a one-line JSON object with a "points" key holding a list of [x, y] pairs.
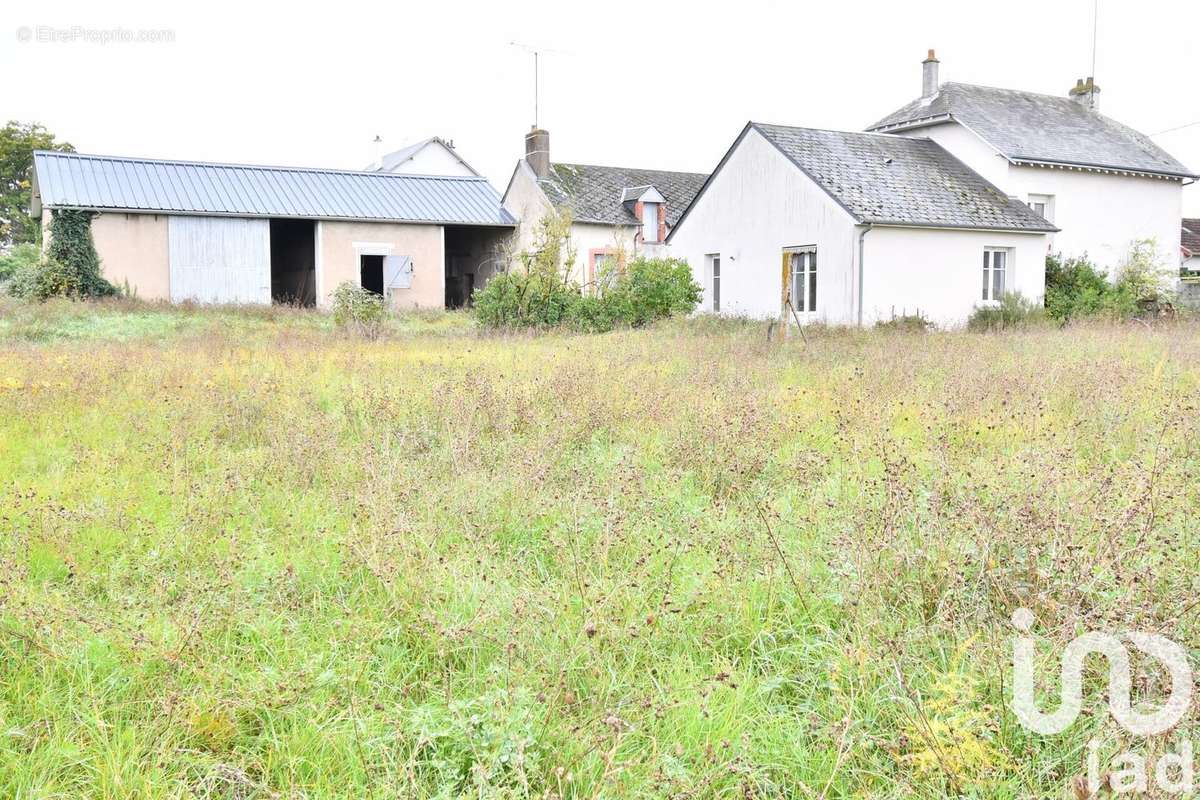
{"points": [[650, 226], [1047, 203], [803, 295], [988, 285], [712, 291]]}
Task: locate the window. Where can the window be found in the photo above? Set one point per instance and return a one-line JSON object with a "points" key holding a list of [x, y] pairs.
{"points": [[714, 282], [995, 273], [650, 223], [803, 293], [1043, 204], [604, 269]]}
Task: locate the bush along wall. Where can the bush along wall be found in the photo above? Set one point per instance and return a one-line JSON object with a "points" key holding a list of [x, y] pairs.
{"points": [[71, 267]]}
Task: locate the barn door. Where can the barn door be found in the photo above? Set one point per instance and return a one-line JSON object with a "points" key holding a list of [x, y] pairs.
{"points": [[220, 259]]}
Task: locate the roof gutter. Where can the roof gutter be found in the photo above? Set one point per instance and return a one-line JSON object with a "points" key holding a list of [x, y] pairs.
{"points": [[861, 272], [1043, 162]]}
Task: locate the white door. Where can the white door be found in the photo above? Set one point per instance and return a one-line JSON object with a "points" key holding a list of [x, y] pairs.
{"points": [[219, 259]]}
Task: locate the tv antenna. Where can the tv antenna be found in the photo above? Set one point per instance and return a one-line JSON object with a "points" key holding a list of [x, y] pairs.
{"points": [[1095, 37], [538, 52]]}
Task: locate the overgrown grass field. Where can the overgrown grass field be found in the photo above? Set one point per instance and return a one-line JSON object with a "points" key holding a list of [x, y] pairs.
{"points": [[247, 556]]}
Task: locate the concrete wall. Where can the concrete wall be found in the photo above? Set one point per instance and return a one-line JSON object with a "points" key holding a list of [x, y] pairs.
{"points": [[1099, 214], [340, 244], [756, 206], [133, 250], [939, 273]]}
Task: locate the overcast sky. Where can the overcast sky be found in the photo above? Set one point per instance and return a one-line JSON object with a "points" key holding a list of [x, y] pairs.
{"points": [[660, 84]]}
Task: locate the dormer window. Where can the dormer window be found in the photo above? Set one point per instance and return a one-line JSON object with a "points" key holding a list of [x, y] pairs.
{"points": [[650, 213], [646, 205]]}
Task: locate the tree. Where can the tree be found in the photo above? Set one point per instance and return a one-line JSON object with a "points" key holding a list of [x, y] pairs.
{"points": [[18, 140]]}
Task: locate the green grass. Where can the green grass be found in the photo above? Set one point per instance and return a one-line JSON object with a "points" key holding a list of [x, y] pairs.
{"points": [[244, 555]]}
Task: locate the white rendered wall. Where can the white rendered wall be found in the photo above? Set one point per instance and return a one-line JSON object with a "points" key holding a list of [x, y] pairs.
{"points": [[1102, 215], [939, 273], [433, 159]]}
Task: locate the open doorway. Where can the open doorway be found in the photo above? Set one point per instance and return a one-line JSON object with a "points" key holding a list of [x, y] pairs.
{"points": [[473, 255], [293, 262], [370, 273]]}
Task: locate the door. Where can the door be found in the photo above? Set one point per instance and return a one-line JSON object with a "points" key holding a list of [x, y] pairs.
{"points": [[219, 259]]}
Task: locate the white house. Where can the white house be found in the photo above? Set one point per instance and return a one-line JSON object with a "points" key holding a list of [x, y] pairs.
{"points": [[433, 156], [1102, 183], [615, 211], [854, 228]]}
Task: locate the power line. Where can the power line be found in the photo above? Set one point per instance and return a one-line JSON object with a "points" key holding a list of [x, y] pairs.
{"points": [[1177, 128]]}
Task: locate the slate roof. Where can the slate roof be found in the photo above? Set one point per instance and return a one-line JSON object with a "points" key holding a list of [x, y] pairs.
{"points": [[896, 180], [594, 194], [75, 180], [1190, 238], [1025, 126]]}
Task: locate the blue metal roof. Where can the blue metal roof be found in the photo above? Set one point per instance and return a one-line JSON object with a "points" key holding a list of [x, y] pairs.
{"points": [[76, 180]]}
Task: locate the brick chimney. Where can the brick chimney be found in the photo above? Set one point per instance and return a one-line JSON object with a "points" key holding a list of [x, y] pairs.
{"points": [[929, 76], [1084, 93], [537, 152]]}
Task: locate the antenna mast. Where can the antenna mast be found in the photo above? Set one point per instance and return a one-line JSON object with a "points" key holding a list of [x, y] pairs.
{"points": [[537, 73], [1095, 31]]}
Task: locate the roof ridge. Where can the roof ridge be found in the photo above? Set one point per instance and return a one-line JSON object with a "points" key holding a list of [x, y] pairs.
{"points": [[1008, 89], [628, 169], [889, 136], [234, 165]]}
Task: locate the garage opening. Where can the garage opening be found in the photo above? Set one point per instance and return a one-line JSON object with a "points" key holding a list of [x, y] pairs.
{"points": [[473, 255], [293, 262], [370, 273]]}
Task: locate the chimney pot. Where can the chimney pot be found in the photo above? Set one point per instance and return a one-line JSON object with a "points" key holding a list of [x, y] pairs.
{"points": [[1085, 93], [537, 152], [929, 76]]}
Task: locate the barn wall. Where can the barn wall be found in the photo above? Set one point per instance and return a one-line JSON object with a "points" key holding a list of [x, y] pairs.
{"points": [[339, 245], [133, 250], [220, 259]]}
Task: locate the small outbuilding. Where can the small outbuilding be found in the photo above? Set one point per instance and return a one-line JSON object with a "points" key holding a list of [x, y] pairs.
{"points": [[234, 233], [854, 228]]}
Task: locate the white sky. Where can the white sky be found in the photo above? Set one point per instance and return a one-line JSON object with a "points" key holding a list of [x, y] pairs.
{"points": [[660, 84]]}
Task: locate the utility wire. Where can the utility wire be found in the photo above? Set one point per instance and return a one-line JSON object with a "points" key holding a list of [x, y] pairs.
{"points": [[1177, 128]]}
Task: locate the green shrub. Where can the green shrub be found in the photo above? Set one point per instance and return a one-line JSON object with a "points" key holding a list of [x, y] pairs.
{"points": [[650, 289], [1143, 283], [906, 323], [358, 310], [1013, 311], [1075, 288], [72, 268], [23, 256]]}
